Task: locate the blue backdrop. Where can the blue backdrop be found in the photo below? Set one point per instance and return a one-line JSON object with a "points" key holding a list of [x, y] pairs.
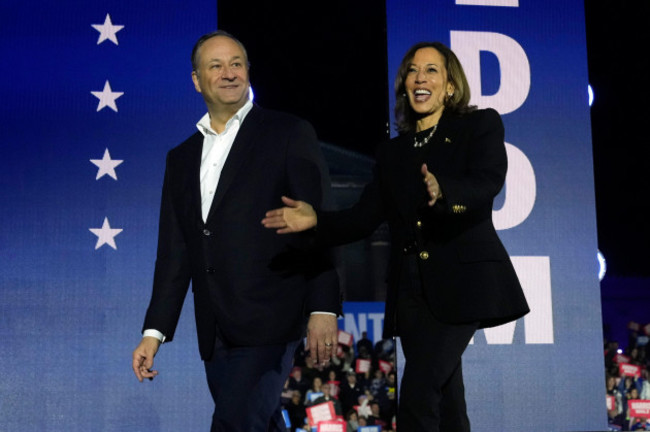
{"points": [[90, 106], [528, 60], [70, 313]]}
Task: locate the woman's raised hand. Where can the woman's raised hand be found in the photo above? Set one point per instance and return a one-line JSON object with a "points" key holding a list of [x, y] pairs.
{"points": [[433, 188], [295, 217]]}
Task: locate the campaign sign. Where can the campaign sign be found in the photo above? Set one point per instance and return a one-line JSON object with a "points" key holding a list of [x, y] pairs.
{"points": [[639, 408], [611, 403], [621, 358], [321, 412], [385, 366], [373, 428], [364, 409], [335, 387], [345, 338], [314, 395], [626, 369], [362, 366], [528, 61], [331, 426]]}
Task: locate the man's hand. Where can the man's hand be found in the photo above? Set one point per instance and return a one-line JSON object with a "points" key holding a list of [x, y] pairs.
{"points": [[433, 187], [297, 216], [322, 337], [143, 358]]}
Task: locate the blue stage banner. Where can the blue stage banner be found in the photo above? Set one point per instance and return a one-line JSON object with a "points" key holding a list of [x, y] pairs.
{"points": [[93, 96], [360, 317], [528, 61]]}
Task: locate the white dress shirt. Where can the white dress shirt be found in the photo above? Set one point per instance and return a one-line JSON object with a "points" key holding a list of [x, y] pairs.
{"points": [[216, 147]]}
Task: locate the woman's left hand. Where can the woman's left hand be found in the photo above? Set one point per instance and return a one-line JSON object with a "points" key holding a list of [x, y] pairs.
{"points": [[432, 185]]}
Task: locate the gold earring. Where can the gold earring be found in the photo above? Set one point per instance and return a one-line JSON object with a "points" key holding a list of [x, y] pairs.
{"points": [[448, 98]]}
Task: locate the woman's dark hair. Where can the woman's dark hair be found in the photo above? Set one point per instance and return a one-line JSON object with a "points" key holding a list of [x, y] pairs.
{"points": [[405, 117]]}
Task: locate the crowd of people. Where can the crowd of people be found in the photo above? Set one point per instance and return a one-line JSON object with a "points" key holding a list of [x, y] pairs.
{"points": [[627, 379], [370, 398], [359, 398]]}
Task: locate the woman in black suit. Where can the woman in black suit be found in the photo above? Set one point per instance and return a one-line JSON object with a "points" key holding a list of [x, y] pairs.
{"points": [[449, 273]]}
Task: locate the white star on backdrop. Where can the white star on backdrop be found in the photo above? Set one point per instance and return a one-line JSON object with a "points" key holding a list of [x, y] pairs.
{"points": [[106, 165], [107, 97], [105, 235], [107, 30]]}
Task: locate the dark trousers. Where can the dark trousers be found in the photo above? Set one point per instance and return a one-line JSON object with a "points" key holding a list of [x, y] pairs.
{"points": [[432, 394], [246, 383]]}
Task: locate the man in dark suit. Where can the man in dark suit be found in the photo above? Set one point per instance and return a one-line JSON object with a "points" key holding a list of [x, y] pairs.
{"points": [[255, 293], [350, 391]]}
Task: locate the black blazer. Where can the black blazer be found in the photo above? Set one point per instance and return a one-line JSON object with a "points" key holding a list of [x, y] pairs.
{"points": [[466, 272], [248, 282]]}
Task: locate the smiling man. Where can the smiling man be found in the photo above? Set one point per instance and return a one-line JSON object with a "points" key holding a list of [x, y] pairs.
{"points": [[255, 294]]}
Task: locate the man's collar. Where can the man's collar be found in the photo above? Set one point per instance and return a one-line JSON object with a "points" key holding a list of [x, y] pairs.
{"points": [[205, 127]]}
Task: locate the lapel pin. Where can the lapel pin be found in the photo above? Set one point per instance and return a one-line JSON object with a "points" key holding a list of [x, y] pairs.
{"points": [[447, 140]]}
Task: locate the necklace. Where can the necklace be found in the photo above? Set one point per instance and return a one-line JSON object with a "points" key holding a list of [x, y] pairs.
{"points": [[424, 142]]}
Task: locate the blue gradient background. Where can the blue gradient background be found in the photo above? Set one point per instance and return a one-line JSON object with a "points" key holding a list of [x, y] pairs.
{"points": [[70, 315]]}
